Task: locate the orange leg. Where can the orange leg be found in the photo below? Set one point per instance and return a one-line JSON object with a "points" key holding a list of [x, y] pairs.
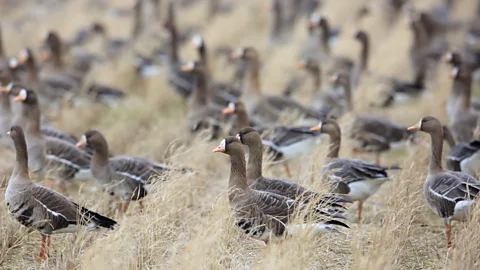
{"points": [[377, 158], [140, 202], [124, 207], [287, 170], [360, 207], [44, 249], [448, 231]]}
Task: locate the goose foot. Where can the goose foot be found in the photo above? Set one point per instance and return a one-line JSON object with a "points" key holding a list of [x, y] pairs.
{"points": [[43, 249]]}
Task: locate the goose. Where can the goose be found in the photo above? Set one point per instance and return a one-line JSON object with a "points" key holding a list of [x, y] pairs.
{"points": [[354, 178], [267, 108], [49, 152], [201, 114], [43, 209], [462, 121], [5, 75], [251, 138], [464, 157], [259, 214], [451, 195], [371, 133], [126, 177]]}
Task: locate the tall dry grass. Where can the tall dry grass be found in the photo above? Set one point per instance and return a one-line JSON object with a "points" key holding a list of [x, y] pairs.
{"points": [[186, 224]]}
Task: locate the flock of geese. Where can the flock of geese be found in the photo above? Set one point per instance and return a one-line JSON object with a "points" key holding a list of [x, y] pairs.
{"points": [[263, 208]]}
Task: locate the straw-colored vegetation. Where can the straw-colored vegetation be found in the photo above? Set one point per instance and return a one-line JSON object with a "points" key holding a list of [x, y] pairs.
{"points": [[186, 222]]}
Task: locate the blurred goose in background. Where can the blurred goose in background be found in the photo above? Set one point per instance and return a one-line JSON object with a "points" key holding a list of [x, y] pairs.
{"points": [[371, 133], [126, 177], [462, 121], [251, 138], [362, 65], [262, 215], [354, 178], [320, 38], [241, 119], [451, 195], [41, 208], [267, 108], [277, 22], [181, 82], [223, 92], [5, 76], [461, 85], [201, 112]]}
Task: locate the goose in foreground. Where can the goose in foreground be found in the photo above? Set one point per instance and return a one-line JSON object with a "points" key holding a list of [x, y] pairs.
{"points": [[354, 178], [43, 209], [451, 195], [371, 133], [259, 214], [251, 138], [46, 152], [267, 108], [124, 176]]}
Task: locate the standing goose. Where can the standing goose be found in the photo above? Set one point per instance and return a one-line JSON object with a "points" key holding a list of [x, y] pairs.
{"points": [[222, 91], [5, 75], [43, 209], [449, 194], [326, 103], [124, 176], [201, 114], [48, 153], [251, 138], [356, 179], [266, 108], [371, 133], [261, 215], [463, 121]]}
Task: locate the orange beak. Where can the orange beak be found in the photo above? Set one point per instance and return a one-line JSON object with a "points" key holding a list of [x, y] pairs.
{"points": [[80, 144], [44, 55], [18, 99], [22, 59], [445, 58], [227, 110], [300, 65], [3, 89], [414, 127], [332, 78], [315, 129], [186, 68], [218, 149], [234, 55]]}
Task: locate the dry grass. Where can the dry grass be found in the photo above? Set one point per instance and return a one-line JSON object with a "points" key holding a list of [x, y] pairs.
{"points": [[186, 224]]}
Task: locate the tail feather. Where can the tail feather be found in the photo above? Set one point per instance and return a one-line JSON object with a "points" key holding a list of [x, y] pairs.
{"points": [[98, 219], [338, 223]]}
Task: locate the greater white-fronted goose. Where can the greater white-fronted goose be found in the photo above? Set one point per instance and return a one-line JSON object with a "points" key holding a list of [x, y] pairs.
{"points": [[48, 153], [354, 178], [259, 214], [43, 209], [463, 121], [362, 65], [328, 102], [201, 114], [251, 138], [267, 108], [126, 177], [371, 133], [449, 194], [461, 86], [277, 30], [463, 157], [181, 82], [5, 75], [222, 93], [242, 119]]}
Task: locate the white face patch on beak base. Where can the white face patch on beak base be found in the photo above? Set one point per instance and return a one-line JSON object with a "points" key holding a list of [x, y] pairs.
{"points": [[231, 106], [320, 125], [24, 53], [238, 136], [240, 52], [13, 62], [9, 86], [420, 124], [84, 139], [222, 144], [23, 94], [197, 41], [315, 18], [455, 72], [191, 65]]}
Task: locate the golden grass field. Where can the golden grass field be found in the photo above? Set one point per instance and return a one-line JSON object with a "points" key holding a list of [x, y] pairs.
{"points": [[186, 222]]}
